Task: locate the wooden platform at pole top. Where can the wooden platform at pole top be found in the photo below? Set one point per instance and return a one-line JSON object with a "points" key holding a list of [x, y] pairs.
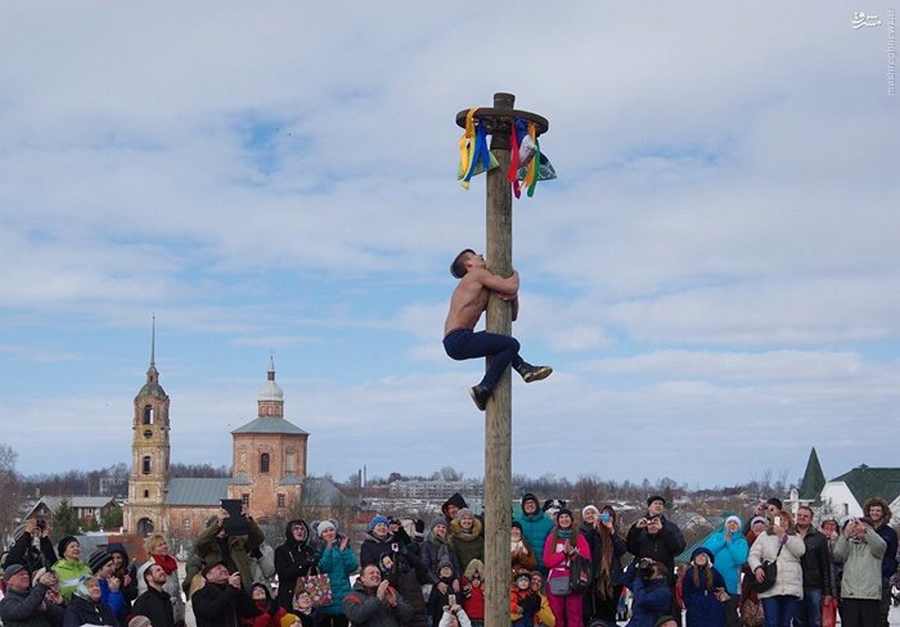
{"points": [[498, 417]]}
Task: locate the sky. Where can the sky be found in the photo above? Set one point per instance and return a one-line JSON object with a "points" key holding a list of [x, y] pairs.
{"points": [[713, 276]]}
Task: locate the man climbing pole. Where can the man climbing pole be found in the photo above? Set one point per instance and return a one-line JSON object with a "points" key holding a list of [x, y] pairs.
{"points": [[469, 300]]}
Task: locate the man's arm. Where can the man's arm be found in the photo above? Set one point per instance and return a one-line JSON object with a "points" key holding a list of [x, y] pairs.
{"points": [[508, 286]]}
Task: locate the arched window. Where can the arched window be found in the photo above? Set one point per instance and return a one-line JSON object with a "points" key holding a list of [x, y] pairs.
{"points": [[145, 465], [264, 462], [146, 494], [148, 415], [145, 526]]}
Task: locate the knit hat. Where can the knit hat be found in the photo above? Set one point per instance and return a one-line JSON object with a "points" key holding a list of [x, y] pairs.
{"points": [[98, 559], [378, 519], [736, 519], [63, 544], [465, 512], [517, 525], [564, 510], [522, 574], [655, 497], [324, 526], [439, 521], [11, 570], [757, 519], [589, 508], [704, 550], [288, 620]]}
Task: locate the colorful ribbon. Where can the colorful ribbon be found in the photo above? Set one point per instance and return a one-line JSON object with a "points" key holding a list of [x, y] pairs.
{"points": [[466, 147]]}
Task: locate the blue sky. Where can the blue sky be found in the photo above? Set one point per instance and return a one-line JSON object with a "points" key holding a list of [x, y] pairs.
{"points": [[713, 276]]}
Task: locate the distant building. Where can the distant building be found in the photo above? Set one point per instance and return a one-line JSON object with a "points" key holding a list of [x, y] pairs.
{"points": [[87, 508], [268, 471], [846, 494], [430, 490]]}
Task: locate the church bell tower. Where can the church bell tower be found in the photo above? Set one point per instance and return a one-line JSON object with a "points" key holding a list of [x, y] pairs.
{"points": [[150, 453]]}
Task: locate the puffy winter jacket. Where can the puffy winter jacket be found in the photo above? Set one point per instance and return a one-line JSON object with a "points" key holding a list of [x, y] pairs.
{"points": [[338, 565], [652, 599], [862, 565], [789, 580], [662, 546], [816, 563], [23, 609], [535, 527], [81, 611], [363, 608], [293, 560], [69, 573], [703, 607], [730, 557]]}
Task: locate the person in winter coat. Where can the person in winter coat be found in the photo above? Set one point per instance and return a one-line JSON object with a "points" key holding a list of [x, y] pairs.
{"points": [[467, 537], [23, 550], [704, 591], [730, 550], [536, 526], [397, 563], [472, 584], [648, 581], [780, 544], [293, 559], [69, 568], [524, 602], [215, 545], [522, 556], [879, 512], [861, 550], [451, 506], [155, 603], [447, 588], [221, 601], [24, 607], [656, 537], [560, 548], [158, 549], [544, 616], [436, 549], [124, 570], [607, 548], [338, 562], [102, 567], [268, 612], [373, 602], [85, 607], [816, 562]]}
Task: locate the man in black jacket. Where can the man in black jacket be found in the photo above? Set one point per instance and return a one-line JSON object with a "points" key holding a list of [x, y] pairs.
{"points": [[22, 607], [23, 550], [816, 571], [221, 602], [155, 603]]}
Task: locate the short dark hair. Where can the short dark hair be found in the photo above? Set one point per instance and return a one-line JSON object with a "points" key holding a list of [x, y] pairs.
{"points": [[807, 508], [458, 267], [776, 502]]}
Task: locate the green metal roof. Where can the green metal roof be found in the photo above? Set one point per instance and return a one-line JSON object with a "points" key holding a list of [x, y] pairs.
{"points": [[866, 483], [197, 491], [152, 389], [813, 478], [271, 425]]}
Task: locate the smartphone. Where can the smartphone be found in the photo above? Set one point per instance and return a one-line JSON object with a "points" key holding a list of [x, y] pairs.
{"points": [[778, 520], [451, 600], [604, 517]]}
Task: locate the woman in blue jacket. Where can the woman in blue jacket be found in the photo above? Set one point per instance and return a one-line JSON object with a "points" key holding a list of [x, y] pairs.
{"points": [[704, 591], [730, 549], [338, 562]]}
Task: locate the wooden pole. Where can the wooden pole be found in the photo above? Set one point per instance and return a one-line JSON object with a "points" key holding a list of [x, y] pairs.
{"points": [[498, 428]]}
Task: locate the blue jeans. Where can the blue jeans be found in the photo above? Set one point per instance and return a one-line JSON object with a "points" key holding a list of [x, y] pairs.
{"points": [[503, 350], [780, 610], [810, 614]]}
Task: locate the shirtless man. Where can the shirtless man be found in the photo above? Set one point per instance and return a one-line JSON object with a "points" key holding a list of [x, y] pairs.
{"points": [[469, 300]]}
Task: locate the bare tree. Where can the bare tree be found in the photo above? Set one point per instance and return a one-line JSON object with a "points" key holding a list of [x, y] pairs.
{"points": [[10, 488]]}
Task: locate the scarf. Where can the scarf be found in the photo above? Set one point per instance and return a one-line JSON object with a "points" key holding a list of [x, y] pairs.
{"points": [[167, 562], [565, 534]]}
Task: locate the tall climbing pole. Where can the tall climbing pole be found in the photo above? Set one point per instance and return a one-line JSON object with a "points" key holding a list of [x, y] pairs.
{"points": [[498, 121]]}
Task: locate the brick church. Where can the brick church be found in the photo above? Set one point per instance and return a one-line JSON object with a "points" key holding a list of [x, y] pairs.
{"points": [[268, 469]]}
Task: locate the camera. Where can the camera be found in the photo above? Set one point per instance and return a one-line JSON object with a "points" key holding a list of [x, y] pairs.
{"points": [[646, 567]]}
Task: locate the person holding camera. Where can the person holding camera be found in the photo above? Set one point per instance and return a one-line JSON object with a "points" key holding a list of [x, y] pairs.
{"points": [[374, 602], [29, 606], [607, 548], [777, 570], [24, 552], [294, 558], [861, 550], [648, 581], [230, 538], [338, 562]]}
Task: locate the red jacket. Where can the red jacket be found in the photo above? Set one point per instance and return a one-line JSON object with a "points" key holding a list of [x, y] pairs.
{"points": [[473, 603]]}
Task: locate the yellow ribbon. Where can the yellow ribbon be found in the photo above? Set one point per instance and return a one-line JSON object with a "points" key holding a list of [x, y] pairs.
{"points": [[466, 148]]}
